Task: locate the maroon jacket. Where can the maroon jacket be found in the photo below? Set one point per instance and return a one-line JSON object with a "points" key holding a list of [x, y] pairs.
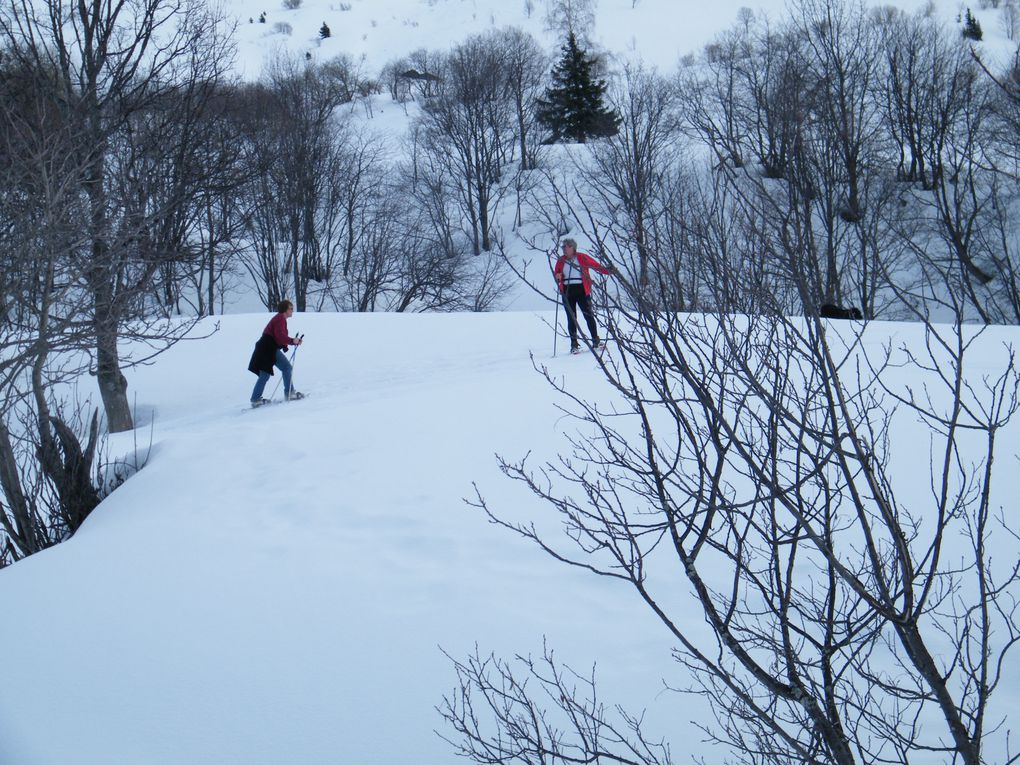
{"points": [[277, 329], [585, 261], [274, 338]]}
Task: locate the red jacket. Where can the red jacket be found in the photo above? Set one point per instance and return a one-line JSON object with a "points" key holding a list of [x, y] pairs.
{"points": [[586, 262], [277, 329]]}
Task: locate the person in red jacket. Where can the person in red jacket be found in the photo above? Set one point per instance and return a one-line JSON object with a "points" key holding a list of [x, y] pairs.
{"points": [[573, 277], [271, 350]]}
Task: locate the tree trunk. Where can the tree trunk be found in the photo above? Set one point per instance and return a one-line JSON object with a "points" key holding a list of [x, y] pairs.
{"points": [[112, 383], [211, 308]]}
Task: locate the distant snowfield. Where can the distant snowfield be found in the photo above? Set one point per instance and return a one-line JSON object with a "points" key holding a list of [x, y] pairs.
{"points": [[375, 32]]}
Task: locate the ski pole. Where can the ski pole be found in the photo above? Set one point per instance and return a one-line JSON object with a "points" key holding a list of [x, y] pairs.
{"points": [[559, 299], [556, 323]]}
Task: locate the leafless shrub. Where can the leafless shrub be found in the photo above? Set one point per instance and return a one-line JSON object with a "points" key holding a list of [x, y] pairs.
{"points": [[574, 727]]}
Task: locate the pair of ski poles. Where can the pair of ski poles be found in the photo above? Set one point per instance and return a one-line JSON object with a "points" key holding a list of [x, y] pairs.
{"points": [[293, 359]]}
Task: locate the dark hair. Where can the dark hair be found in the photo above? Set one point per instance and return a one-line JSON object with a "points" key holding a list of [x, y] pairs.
{"points": [[284, 306]]}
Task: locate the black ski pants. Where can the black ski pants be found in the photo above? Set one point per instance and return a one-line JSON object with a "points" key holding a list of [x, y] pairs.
{"points": [[573, 296]]}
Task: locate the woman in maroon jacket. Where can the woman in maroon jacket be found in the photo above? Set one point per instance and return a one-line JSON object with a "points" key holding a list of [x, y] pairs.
{"points": [[270, 350], [572, 272]]}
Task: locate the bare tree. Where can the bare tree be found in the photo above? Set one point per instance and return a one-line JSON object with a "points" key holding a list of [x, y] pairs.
{"points": [[525, 66], [844, 55], [575, 17], [294, 138], [630, 169], [791, 114], [116, 63], [575, 727], [853, 614], [47, 483], [711, 98], [775, 82], [470, 125]]}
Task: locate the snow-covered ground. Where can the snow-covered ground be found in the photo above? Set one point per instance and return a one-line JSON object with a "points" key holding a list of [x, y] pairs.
{"points": [[375, 32], [274, 586]]}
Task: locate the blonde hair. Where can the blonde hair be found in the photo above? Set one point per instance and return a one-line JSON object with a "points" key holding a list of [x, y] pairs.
{"points": [[570, 242]]}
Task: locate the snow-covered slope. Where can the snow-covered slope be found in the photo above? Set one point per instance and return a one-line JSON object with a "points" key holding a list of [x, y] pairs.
{"points": [[273, 587], [378, 31], [374, 32], [276, 584]]}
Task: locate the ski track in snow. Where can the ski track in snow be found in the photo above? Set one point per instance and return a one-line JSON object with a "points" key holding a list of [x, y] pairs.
{"points": [[275, 586], [280, 581]]}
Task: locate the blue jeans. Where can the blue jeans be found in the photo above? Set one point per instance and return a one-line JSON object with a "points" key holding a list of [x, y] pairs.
{"points": [[284, 366]]}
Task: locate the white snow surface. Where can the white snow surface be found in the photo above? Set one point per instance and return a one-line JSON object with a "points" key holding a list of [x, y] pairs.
{"points": [[274, 585], [375, 32]]}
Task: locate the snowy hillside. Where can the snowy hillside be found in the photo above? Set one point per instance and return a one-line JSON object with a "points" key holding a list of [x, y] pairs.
{"points": [[274, 585], [374, 32], [377, 31], [279, 586]]}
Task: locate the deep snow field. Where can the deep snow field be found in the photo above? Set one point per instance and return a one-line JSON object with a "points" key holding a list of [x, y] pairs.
{"points": [[375, 32], [274, 585]]}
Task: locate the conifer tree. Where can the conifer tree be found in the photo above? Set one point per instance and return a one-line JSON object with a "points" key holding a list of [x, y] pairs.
{"points": [[573, 108], [324, 31], [971, 27]]}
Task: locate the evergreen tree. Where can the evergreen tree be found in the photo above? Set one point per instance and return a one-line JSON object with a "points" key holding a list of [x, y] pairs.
{"points": [[324, 31], [573, 108], [971, 27]]}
